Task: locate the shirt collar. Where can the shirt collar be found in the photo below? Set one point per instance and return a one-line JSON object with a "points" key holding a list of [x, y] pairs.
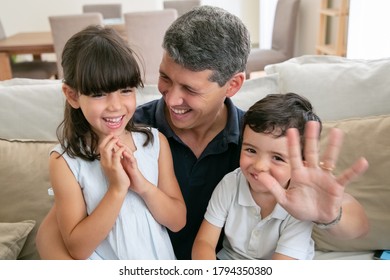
{"points": [[233, 128], [245, 199], [161, 121]]}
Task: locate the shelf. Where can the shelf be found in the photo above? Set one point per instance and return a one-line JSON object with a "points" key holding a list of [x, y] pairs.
{"points": [[330, 50], [339, 16]]}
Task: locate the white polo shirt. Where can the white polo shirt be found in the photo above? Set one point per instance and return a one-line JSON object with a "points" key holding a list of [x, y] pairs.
{"points": [[247, 235]]}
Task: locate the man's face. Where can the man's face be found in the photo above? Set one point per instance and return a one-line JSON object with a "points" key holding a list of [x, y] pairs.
{"points": [[192, 100]]}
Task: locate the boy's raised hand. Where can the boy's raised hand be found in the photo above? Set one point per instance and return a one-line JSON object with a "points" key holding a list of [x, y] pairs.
{"points": [[314, 193]]}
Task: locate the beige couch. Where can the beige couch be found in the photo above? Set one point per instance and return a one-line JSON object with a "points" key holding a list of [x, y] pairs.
{"points": [[350, 94]]}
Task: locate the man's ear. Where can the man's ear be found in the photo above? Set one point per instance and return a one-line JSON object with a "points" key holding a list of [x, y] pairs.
{"points": [[234, 84], [71, 96]]}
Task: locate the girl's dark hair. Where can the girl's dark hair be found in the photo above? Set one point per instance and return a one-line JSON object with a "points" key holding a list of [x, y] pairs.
{"points": [[276, 113], [95, 60]]}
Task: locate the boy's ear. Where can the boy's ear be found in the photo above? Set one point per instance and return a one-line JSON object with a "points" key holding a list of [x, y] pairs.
{"points": [[71, 96], [234, 84]]}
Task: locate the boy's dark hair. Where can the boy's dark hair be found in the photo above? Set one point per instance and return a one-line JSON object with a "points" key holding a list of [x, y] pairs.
{"points": [[276, 113], [95, 60]]}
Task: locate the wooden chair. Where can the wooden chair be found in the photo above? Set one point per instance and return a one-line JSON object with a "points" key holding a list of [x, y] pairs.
{"points": [[109, 11], [145, 32], [181, 6], [65, 26], [283, 38], [36, 69]]}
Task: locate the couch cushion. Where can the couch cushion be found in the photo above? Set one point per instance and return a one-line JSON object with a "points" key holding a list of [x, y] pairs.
{"points": [[146, 94], [255, 89], [24, 184], [337, 87], [34, 108], [12, 238], [368, 137]]}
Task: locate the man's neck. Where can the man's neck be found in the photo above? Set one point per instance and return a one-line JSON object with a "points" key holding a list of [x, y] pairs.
{"points": [[197, 138]]}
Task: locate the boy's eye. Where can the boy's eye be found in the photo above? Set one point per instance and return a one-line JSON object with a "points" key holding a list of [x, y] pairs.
{"points": [[250, 150], [278, 158]]}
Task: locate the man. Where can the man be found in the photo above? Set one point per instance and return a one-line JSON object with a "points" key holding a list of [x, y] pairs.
{"points": [[203, 65]]}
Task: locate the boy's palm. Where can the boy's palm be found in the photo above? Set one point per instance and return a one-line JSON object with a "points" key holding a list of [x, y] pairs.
{"points": [[314, 193]]}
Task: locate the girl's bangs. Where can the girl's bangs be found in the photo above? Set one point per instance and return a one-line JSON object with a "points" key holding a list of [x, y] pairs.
{"points": [[107, 70]]}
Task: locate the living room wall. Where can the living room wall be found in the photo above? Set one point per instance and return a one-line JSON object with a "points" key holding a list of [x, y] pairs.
{"points": [[28, 15]]}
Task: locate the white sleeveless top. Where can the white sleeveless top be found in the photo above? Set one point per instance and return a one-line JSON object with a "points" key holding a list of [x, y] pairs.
{"points": [[135, 234]]}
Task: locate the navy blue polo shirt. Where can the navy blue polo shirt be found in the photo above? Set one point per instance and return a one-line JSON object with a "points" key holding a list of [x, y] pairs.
{"points": [[197, 177]]}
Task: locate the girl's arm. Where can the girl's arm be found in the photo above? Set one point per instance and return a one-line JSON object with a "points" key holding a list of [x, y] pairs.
{"points": [[206, 242], [82, 233], [165, 202]]}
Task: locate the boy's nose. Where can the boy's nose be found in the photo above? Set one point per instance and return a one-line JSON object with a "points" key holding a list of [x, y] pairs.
{"points": [[261, 165]]}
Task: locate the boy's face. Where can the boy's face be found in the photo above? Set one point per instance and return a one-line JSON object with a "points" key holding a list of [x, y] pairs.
{"points": [[192, 100], [264, 158]]}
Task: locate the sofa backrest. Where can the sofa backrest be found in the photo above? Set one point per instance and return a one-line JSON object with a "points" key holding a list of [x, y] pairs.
{"points": [[30, 109], [33, 109], [354, 96], [338, 87]]}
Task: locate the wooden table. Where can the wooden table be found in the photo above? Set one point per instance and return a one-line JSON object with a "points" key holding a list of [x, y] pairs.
{"points": [[35, 43]]}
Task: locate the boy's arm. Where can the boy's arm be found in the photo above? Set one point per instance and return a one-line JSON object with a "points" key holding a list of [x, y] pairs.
{"points": [[277, 256], [206, 242]]}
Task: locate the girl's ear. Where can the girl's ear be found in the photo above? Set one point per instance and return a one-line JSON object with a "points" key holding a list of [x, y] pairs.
{"points": [[71, 96]]}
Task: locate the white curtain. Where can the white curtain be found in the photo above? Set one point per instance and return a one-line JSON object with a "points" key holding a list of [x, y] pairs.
{"points": [[266, 15], [368, 29]]}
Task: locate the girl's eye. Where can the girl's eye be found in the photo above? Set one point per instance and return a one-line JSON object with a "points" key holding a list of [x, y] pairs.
{"points": [[126, 91], [98, 95]]}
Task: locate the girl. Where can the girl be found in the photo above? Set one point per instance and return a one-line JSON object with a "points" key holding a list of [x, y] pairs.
{"points": [[114, 184]]}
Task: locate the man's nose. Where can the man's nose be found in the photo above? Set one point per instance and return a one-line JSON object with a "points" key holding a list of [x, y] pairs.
{"points": [[173, 96]]}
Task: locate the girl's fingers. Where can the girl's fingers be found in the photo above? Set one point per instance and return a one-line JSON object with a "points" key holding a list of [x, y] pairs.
{"points": [[108, 144], [118, 154]]}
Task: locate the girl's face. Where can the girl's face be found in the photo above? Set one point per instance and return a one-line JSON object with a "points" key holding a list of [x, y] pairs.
{"points": [[109, 113], [263, 154]]}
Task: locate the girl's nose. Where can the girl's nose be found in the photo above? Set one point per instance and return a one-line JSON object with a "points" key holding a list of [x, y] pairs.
{"points": [[114, 101]]}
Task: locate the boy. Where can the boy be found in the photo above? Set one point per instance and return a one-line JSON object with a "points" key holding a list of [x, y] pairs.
{"points": [[255, 225]]}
